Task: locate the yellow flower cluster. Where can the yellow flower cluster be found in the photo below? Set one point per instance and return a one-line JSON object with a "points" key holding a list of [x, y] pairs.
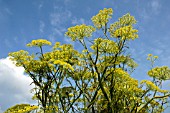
{"points": [[51, 109], [119, 59], [39, 43], [119, 71], [126, 84], [124, 28], [126, 32], [93, 86], [161, 73], [64, 53], [57, 45], [131, 63], [154, 103], [126, 20], [151, 57], [105, 45], [36, 66], [80, 31], [102, 17], [64, 64], [21, 108], [21, 57], [152, 86]]}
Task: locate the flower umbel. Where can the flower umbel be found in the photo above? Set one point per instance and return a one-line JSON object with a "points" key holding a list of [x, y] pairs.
{"points": [[39, 42]]}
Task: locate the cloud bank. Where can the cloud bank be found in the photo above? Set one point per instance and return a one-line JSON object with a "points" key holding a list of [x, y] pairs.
{"points": [[14, 85]]}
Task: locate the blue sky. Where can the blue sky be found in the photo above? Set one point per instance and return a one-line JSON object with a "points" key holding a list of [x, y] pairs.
{"points": [[24, 20]]}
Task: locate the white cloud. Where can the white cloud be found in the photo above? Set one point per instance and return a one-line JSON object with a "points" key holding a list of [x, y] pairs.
{"points": [[69, 41], [40, 5], [155, 6], [42, 25], [5, 14], [144, 14], [149, 9], [76, 21], [8, 43], [14, 85], [59, 31], [55, 19], [8, 11], [59, 16], [66, 2], [58, 20]]}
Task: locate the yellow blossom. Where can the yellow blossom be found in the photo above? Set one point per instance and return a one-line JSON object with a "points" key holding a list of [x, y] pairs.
{"points": [[39, 42], [125, 20], [80, 31], [102, 17], [126, 32], [161, 73]]}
